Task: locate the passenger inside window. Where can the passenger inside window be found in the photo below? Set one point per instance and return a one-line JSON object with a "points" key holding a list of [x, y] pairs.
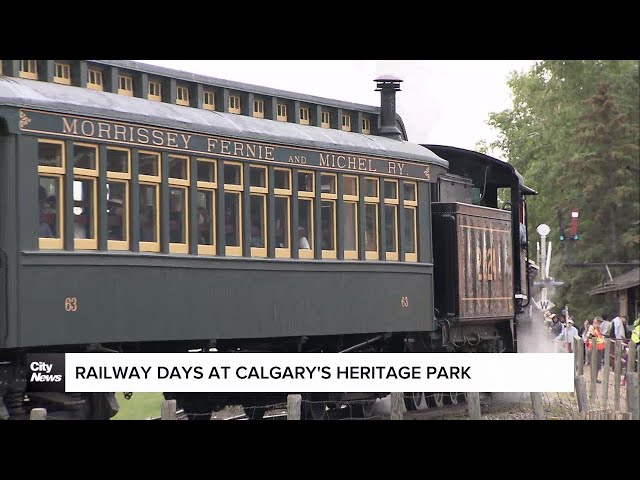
{"points": [[47, 214], [303, 241]]}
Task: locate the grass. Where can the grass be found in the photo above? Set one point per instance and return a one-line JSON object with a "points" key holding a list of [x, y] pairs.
{"points": [[140, 407]]}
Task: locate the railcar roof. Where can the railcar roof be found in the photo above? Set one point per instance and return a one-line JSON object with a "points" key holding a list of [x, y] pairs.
{"points": [[19, 92]]}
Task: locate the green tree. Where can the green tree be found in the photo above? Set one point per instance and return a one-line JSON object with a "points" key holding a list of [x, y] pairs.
{"points": [[573, 133]]}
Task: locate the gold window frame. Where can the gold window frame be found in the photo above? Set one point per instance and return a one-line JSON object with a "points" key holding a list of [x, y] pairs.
{"points": [[261, 192], [208, 100], [373, 200], [97, 82], [62, 73], [352, 199], [88, 174], [122, 177], [235, 251], [58, 173], [413, 205], [125, 85], [309, 195]]}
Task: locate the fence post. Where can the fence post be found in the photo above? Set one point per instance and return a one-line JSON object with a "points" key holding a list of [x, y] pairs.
{"points": [[631, 357], [617, 371], [168, 410], [633, 399], [294, 406], [397, 406], [595, 363], [38, 414], [538, 408], [605, 372], [581, 394], [473, 400], [580, 350]]}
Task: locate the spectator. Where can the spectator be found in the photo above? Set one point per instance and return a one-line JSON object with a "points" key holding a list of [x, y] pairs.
{"points": [[567, 335], [618, 328], [605, 326], [584, 334]]}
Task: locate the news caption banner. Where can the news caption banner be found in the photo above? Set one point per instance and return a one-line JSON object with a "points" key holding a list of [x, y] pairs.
{"points": [[302, 372]]}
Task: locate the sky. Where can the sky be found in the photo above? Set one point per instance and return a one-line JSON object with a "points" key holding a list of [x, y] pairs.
{"points": [[444, 102]]}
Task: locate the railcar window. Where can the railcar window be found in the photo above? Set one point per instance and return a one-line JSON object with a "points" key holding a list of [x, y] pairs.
{"points": [[233, 186], [258, 210], [346, 123], [206, 201], [304, 116], [118, 179], [51, 167], [391, 218], [372, 200], [29, 69], [125, 85], [328, 214], [282, 112], [350, 208], [282, 221], [410, 218], [155, 92], [209, 100], [149, 179], [62, 74], [206, 221], [366, 126], [94, 81], [85, 179], [234, 104], [258, 108], [325, 121], [178, 204], [305, 214], [182, 96]]}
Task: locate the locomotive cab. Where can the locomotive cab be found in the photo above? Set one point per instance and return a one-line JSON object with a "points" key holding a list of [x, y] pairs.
{"points": [[480, 250]]}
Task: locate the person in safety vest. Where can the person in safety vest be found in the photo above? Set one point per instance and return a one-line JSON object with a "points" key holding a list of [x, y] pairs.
{"points": [[595, 336], [635, 333]]}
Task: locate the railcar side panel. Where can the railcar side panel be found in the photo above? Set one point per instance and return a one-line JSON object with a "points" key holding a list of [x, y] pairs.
{"points": [[69, 299]]}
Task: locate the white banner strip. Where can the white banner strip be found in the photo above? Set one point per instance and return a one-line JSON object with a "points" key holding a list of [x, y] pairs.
{"points": [[319, 372]]}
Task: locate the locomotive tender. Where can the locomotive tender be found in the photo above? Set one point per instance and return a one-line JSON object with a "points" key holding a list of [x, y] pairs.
{"points": [[144, 209]]}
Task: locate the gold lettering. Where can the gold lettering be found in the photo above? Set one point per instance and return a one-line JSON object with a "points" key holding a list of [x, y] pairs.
{"points": [[260, 152], [91, 131], [225, 146], [324, 162], [73, 128], [143, 133], [251, 150], [400, 167], [157, 135], [238, 146], [269, 153], [185, 139], [212, 144], [352, 163], [362, 163], [120, 130], [171, 139], [303, 160], [392, 167], [131, 134], [371, 168], [479, 262], [104, 127], [343, 160]]}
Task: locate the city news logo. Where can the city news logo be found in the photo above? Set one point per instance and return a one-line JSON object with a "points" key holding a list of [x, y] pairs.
{"points": [[45, 372]]}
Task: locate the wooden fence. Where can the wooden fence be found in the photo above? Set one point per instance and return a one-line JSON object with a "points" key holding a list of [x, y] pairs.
{"points": [[602, 401]]}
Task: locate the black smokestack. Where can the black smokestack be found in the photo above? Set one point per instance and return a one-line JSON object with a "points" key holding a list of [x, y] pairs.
{"points": [[388, 85]]}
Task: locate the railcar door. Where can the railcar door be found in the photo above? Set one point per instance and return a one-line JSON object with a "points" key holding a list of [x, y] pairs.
{"points": [[4, 318]]}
